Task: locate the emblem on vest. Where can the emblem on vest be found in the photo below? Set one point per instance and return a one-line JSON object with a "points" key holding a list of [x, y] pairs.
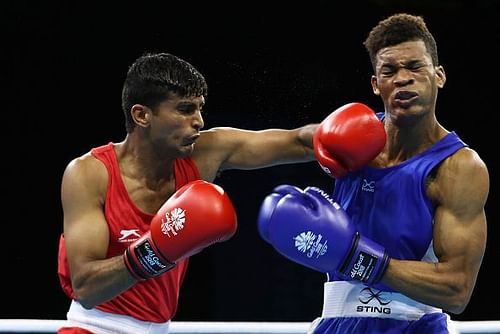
{"points": [[368, 186], [129, 235]]}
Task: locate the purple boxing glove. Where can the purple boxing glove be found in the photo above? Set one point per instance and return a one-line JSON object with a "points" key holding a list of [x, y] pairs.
{"points": [[309, 228], [267, 207]]}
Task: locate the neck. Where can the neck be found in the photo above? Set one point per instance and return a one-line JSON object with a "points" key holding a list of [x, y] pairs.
{"points": [[140, 159], [407, 140]]}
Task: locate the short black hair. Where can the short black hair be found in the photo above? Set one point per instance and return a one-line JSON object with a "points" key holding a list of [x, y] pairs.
{"points": [[397, 29], [155, 75]]}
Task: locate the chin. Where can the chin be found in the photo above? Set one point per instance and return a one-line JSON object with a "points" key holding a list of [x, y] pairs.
{"points": [[186, 151], [408, 119]]}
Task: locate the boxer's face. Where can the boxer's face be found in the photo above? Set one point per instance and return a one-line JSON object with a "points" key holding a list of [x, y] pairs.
{"points": [[176, 123], [407, 80]]}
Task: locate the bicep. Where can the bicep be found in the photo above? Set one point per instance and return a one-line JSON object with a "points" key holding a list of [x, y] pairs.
{"points": [[460, 220], [459, 242], [85, 228], [245, 149]]}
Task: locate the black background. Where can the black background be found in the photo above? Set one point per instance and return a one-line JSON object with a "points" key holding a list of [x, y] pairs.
{"points": [[268, 64]]}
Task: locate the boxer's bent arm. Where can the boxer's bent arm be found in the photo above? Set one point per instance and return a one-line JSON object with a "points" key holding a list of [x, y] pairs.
{"points": [[246, 149], [94, 278], [460, 192]]}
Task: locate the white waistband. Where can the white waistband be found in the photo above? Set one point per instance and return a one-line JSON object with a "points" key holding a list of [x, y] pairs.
{"points": [[108, 323], [354, 299]]}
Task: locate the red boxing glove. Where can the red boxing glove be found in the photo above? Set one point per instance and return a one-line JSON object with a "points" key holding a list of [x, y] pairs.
{"points": [[349, 138], [196, 216]]}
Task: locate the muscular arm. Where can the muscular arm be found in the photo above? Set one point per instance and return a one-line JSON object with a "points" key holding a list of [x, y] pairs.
{"points": [[94, 278], [231, 148], [460, 191]]}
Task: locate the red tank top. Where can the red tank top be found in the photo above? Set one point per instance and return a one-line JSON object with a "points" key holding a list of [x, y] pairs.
{"points": [[152, 300]]}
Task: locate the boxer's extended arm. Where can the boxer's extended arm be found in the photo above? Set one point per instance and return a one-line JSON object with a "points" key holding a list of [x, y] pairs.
{"points": [[94, 278], [232, 148], [348, 138], [460, 191]]}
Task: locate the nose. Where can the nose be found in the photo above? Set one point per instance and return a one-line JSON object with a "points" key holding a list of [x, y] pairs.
{"points": [[198, 123], [403, 77]]}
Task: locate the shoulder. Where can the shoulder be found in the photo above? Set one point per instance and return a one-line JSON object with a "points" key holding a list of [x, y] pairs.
{"points": [[214, 147], [84, 172], [466, 163], [462, 181], [210, 150], [84, 164], [220, 140]]}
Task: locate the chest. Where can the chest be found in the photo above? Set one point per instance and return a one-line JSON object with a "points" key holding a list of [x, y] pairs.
{"points": [[147, 196], [392, 208]]}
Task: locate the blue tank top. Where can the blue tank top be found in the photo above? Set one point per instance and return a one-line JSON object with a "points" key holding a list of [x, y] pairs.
{"points": [[390, 205]]}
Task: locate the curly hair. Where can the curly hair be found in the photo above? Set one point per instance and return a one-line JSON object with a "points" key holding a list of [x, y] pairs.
{"points": [[153, 76], [396, 29]]}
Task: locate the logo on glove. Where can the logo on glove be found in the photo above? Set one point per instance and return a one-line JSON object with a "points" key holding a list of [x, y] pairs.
{"points": [[306, 242], [173, 222]]}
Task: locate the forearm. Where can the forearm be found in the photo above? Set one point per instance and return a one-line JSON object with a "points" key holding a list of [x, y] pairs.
{"points": [[100, 281], [434, 284]]}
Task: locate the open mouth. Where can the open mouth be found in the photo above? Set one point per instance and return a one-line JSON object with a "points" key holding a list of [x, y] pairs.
{"points": [[191, 139], [405, 95], [404, 98]]}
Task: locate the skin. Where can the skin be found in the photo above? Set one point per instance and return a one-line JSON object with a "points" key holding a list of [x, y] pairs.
{"points": [[458, 188], [146, 159]]}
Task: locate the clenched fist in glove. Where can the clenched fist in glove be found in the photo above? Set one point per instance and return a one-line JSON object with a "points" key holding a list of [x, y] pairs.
{"points": [[309, 228], [349, 138], [196, 216]]}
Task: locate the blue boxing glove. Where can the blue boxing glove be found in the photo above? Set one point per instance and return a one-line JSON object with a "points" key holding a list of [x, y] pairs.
{"points": [[267, 207], [309, 228]]}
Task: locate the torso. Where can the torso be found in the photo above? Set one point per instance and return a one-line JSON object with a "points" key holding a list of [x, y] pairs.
{"points": [[394, 203], [128, 215]]}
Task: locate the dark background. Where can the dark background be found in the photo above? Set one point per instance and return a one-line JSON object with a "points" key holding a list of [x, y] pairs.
{"points": [[268, 64]]}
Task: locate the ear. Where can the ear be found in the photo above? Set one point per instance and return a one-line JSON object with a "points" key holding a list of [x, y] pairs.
{"points": [[374, 83], [440, 76], [141, 115]]}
